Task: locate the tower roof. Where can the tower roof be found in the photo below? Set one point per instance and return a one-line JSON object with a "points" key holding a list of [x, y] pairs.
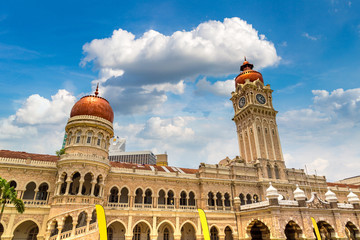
{"points": [[247, 72], [93, 105]]}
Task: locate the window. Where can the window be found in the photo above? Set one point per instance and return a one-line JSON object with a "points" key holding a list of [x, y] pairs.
{"points": [[78, 136], [99, 139], [137, 232], [183, 198], [69, 139], [277, 173], [211, 201], [268, 167], [214, 234], [248, 199], [88, 140], [242, 199], [166, 234], [33, 233]]}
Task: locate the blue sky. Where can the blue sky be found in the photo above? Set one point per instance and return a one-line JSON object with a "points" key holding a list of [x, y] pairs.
{"points": [[172, 94]]}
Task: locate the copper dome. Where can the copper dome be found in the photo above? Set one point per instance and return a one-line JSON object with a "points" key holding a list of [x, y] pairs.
{"points": [[247, 73], [93, 105]]}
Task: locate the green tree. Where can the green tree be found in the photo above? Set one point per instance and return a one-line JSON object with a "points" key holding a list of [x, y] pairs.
{"points": [[60, 152], [8, 195]]}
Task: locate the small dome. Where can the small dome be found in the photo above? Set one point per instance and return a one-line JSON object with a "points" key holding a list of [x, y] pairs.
{"points": [[353, 198], [299, 194], [93, 105], [271, 192], [247, 73], [330, 196]]}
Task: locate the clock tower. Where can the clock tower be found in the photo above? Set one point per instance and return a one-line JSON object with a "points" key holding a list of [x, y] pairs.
{"points": [[255, 119]]}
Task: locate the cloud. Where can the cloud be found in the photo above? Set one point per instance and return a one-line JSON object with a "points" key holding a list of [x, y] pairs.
{"points": [[324, 135], [38, 125], [308, 36], [220, 88], [163, 63], [39, 110]]}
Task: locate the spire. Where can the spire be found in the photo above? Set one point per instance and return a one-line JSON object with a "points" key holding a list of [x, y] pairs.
{"points": [[97, 90], [246, 65]]}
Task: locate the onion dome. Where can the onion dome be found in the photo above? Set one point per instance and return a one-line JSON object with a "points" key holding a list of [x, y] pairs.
{"points": [[93, 105], [330, 196], [271, 192], [299, 194], [247, 73], [353, 198]]}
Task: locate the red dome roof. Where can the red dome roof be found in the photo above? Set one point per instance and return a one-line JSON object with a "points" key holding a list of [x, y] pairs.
{"points": [[248, 73], [94, 106]]}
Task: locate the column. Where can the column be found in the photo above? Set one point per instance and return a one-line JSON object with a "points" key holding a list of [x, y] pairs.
{"points": [[35, 195], [92, 188], [60, 227], [47, 197], [58, 188], [67, 186], [101, 190], [177, 201], [155, 202], [87, 224], [74, 227], [81, 182]]}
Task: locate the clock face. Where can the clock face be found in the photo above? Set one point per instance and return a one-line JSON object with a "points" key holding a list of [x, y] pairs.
{"points": [[242, 102], [260, 98]]}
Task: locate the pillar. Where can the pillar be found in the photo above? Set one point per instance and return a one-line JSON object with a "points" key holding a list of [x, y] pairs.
{"points": [[68, 182], [74, 227], [81, 181], [92, 188]]}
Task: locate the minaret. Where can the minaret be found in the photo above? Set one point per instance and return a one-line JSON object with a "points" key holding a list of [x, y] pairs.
{"points": [[255, 117]]}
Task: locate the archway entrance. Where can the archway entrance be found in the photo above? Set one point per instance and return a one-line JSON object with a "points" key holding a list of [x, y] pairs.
{"points": [[351, 231], [228, 234], [116, 231], [141, 231], [258, 230], [292, 231], [27, 230], [327, 232], [1, 230], [188, 232], [165, 232]]}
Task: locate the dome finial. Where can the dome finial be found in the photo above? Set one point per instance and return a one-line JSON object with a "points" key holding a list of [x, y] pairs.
{"points": [[245, 58], [97, 90]]}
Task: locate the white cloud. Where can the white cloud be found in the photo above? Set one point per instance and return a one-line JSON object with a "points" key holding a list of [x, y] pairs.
{"points": [[324, 135], [38, 125], [308, 36], [174, 128], [220, 88], [161, 63], [39, 110]]}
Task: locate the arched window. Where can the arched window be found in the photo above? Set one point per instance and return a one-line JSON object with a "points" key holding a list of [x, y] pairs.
{"points": [[161, 199], [191, 199], [88, 139], [75, 184], [30, 191], [114, 195], [148, 198], [277, 173], [227, 200], [137, 232], [183, 198], [100, 136], [78, 136], [69, 139], [43, 192], [86, 188], [211, 201], [97, 186], [124, 195], [214, 234], [219, 199], [67, 224], [268, 167], [81, 219], [93, 217], [248, 199], [110, 233], [13, 184], [54, 230], [256, 198], [242, 199], [33, 233], [63, 185], [138, 195], [166, 234], [170, 199]]}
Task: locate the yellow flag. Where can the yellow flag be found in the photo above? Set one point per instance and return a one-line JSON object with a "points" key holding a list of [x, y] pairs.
{"points": [[100, 213], [316, 229], [204, 224]]}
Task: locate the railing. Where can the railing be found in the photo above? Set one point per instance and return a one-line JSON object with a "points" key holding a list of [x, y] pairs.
{"points": [[254, 205], [80, 230], [143, 205], [36, 203], [80, 156], [28, 162], [211, 207], [188, 207], [117, 205], [66, 234], [68, 199], [345, 205], [288, 203]]}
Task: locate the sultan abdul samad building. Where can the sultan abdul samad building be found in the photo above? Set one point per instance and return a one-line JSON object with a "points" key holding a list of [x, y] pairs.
{"points": [[144, 202]]}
